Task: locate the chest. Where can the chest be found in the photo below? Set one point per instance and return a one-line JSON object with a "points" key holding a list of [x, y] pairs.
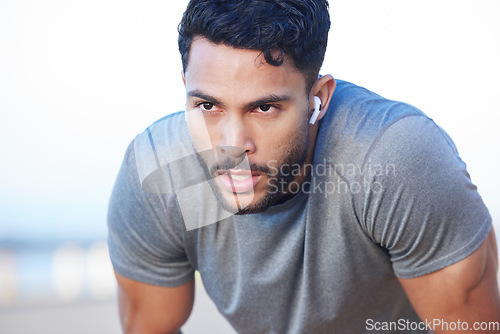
{"points": [[296, 273]]}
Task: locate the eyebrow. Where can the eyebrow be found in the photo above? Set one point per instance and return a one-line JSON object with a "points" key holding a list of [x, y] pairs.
{"points": [[272, 98], [203, 96]]}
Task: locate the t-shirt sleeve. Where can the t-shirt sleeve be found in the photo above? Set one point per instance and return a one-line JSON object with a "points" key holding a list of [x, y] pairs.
{"points": [[419, 202], [145, 235]]}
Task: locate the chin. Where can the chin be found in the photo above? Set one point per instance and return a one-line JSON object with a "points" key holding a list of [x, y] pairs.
{"points": [[240, 203], [248, 203]]}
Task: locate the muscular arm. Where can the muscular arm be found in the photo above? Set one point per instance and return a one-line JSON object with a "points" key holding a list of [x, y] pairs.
{"points": [[149, 309], [465, 291]]}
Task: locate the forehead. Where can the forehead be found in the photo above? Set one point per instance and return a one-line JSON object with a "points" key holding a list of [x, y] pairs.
{"points": [[217, 68]]}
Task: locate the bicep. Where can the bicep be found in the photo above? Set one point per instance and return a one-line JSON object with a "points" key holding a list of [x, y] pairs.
{"points": [[146, 308], [465, 291]]}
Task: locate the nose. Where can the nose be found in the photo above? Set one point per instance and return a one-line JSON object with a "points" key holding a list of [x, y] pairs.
{"points": [[232, 151], [236, 139], [234, 154]]}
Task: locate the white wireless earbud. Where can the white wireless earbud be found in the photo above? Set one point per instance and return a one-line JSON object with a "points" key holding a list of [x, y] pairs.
{"points": [[317, 109]]}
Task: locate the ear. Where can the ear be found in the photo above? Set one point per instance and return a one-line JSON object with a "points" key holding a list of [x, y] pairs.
{"points": [[322, 88], [183, 78]]}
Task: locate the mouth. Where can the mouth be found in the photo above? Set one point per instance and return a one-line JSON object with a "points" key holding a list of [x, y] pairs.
{"points": [[238, 181]]}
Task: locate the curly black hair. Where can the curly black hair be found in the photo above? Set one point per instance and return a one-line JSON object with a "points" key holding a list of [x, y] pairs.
{"points": [[297, 28]]}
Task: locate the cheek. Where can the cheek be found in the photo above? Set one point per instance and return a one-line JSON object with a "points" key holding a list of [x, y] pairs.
{"points": [[282, 142], [198, 131]]}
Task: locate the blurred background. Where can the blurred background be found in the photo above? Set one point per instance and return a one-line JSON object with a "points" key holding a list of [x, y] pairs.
{"points": [[79, 79]]}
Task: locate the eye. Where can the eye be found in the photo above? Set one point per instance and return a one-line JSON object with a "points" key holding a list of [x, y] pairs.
{"points": [[206, 106], [264, 108]]}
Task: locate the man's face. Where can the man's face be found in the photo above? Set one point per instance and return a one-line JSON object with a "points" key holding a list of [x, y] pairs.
{"points": [[252, 119]]}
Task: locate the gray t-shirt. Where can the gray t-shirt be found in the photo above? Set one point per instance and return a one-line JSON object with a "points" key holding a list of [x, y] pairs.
{"points": [[388, 197]]}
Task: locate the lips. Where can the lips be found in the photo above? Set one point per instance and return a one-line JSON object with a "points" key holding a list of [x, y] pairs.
{"points": [[238, 180]]}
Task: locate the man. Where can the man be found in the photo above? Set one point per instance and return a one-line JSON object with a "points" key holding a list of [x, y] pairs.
{"points": [[308, 205]]}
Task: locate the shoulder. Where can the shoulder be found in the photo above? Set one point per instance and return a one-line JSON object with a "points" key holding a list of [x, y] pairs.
{"points": [[163, 135], [145, 225], [418, 200], [161, 145], [355, 120]]}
